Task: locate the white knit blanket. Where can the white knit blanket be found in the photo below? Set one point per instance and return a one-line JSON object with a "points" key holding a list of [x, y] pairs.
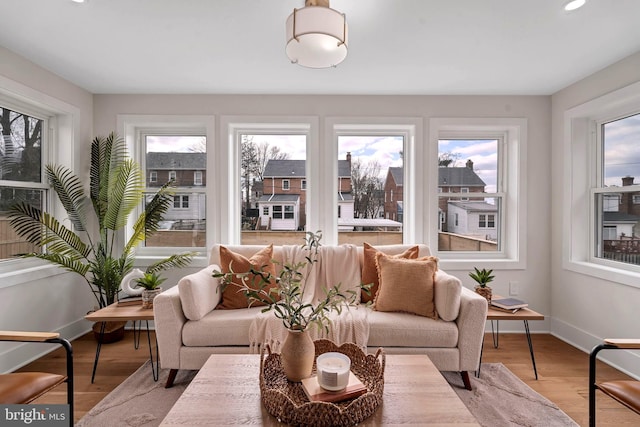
{"points": [[336, 265]]}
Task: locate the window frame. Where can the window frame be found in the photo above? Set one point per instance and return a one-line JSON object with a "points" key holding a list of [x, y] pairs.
{"points": [[511, 134], [132, 128], [62, 130], [581, 160]]}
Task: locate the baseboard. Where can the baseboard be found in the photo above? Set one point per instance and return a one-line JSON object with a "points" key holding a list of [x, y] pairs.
{"points": [[21, 354], [623, 360]]}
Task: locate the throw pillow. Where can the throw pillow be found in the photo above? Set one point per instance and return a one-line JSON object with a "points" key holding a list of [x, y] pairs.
{"points": [[406, 285], [232, 297], [370, 267]]}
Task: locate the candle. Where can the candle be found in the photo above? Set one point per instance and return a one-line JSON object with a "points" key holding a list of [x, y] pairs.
{"points": [[333, 371]]}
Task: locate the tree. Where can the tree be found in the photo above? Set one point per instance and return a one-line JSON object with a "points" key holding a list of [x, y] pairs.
{"points": [[447, 159], [249, 167], [367, 188], [266, 152]]}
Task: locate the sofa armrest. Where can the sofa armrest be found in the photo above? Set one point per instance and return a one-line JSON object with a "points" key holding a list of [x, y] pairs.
{"points": [[169, 320], [471, 324]]}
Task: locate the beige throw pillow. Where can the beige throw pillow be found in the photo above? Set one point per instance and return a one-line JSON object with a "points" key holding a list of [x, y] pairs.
{"points": [[229, 260], [370, 267], [406, 285]]}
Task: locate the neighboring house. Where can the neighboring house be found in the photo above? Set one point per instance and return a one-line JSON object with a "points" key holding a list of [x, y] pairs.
{"points": [[282, 205], [473, 219], [462, 180], [621, 214], [188, 171]]}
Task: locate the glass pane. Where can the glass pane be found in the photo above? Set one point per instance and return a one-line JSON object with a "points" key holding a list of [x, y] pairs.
{"points": [[11, 245], [370, 189], [468, 223], [273, 183], [471, 225], [183, 159], [619, 213], [21, 149], [618, 239]]}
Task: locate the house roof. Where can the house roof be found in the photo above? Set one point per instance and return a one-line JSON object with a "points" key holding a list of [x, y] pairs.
{"points": [[447, 177], [458, 177], [475, 206], [279, 198], [176, 161], [297, 169]]}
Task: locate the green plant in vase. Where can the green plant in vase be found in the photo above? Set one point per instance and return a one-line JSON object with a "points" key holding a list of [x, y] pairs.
{"points": [[150, 282], [483, 277]]}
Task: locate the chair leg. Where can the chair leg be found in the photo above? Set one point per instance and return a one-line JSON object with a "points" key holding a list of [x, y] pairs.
{"points": [[466, 380], [171, 378]]}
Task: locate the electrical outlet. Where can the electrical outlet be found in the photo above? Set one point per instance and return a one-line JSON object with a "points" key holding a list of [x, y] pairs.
{"points": [[513, 288]]}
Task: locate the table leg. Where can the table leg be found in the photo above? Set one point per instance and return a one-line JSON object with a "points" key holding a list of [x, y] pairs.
{"points": [[533, 359], [136, 334], [155, 369], [103, 325], [496, 334], [481, 351]]}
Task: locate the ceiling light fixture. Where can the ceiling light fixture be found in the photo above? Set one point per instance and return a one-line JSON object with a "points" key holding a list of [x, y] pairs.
{"points": [[574, 4], [316, 35]]}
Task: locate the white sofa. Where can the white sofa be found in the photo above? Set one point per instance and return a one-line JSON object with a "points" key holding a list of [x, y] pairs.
{"points": [[189, 328]]}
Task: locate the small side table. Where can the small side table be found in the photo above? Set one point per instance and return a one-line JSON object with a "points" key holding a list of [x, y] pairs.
{"points": [[524, 314], [115, 313]]}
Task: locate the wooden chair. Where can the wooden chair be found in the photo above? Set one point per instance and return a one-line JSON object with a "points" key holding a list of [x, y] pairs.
{"points": [[25, 387], [627, 392]]}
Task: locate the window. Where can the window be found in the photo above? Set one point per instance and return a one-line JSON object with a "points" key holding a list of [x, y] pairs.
{"points": [[475, 170], [636, 199], [370, 166], [21, 177], [274, 163], [153, 177], [617, 217], [181, 202], [304, 184], [167, 153], [288, 212], [469, 166], [604, 170]]}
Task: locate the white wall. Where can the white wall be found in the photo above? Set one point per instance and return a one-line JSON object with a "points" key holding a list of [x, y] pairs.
{"points": [[534, 282], [45, 299], [586, 309]]}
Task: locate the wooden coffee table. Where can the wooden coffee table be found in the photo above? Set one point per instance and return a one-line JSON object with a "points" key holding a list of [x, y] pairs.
{"points": [[115, 313], [226, 392]]}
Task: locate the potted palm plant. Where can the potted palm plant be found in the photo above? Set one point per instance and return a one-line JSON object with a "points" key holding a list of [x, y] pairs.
{"points": [[115, 190], [482, 277]]}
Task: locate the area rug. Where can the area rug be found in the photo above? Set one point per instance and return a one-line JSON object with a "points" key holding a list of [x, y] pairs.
{"points": [[498, 399]]}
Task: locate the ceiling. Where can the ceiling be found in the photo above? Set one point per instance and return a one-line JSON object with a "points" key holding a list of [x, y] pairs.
{"points": [[520, 47]]}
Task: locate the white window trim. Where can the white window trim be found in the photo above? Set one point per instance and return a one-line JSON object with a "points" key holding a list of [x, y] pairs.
{"points": [[130, 126], [231, 127], [411, 130], [286, 185], [580, 161], [60, 149], [513, 132]]}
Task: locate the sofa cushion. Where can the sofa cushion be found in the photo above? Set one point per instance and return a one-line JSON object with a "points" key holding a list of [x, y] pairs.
{"points": [[370, 268], [406, 285], [232, 296], [199, 293], [447, 295], [388, 329], [220, 328]]}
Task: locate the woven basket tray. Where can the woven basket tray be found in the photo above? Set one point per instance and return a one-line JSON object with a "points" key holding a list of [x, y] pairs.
{"points": [[287, 401]]}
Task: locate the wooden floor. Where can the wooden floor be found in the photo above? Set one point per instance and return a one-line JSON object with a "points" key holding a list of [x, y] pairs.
{"points": [[562, 370]]}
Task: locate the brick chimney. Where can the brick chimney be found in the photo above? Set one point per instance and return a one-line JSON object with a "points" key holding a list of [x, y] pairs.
{"points": [[349, 157], [469, 164], [627, 180]]}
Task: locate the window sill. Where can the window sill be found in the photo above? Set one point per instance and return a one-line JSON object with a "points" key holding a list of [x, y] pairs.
{"points": [[610, 274]]}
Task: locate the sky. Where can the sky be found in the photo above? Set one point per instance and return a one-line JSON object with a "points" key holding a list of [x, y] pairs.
{"points": [[483, 154], [622, 150]]}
